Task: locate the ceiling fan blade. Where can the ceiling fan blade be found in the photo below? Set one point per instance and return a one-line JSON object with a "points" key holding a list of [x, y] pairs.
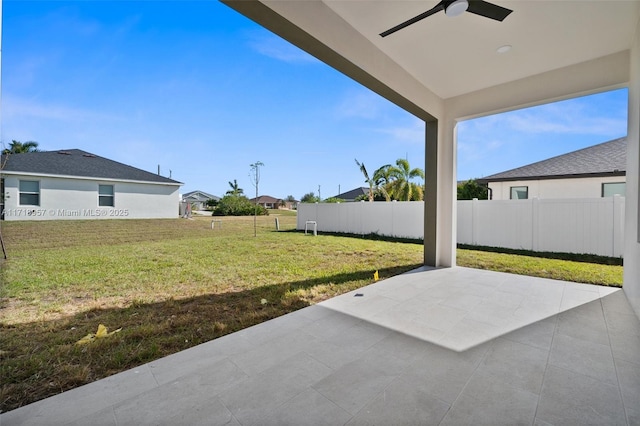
{"points": [[437, 8], [488, 10]]}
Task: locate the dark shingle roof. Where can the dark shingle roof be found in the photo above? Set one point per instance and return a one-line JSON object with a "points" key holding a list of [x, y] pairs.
{"points": [[75, 162], [265, 199], [608, 158], [353, 194]]}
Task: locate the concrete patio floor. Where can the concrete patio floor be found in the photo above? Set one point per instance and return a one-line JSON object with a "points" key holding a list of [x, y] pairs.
{"points": [[449, 346]]}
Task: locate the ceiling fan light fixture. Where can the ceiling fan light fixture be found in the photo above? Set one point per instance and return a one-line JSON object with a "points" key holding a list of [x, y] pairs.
{"points": [[454, 8], [457, 7]]}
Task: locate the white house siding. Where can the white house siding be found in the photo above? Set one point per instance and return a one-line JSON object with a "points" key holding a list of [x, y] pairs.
{"points": [[73, 198], [556, 188]]}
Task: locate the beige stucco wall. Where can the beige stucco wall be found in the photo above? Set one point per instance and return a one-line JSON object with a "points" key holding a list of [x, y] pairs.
{"points": [[556, 188]]}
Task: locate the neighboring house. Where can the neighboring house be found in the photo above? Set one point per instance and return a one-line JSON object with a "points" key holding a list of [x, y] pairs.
{"points": [[596, 171], [353, 194], [74, 184], [198, 199], [268, 202]]}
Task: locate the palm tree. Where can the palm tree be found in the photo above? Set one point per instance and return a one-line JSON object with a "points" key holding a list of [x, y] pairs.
{"points": [[367, 179], [383, 177], [17, 147], [235, 189], [402, 187]]}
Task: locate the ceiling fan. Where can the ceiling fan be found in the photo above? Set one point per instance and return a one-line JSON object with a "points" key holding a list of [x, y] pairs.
{"points": [[455, 8]]}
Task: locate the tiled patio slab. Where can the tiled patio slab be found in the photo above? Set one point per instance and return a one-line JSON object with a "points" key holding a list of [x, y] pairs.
{"points": [[437, 347], [460, 308]]}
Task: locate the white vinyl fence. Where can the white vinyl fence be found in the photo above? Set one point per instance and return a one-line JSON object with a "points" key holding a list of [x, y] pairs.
{"points": [[395, 219], [579, 225]]}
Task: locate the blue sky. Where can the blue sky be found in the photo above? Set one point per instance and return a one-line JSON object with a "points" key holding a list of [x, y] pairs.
{"points": [[200, 90]]}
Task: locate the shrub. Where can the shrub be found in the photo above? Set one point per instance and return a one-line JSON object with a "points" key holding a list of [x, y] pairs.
{"points": [[237, 205], [211, 204], [309, 197], [472, 189]]}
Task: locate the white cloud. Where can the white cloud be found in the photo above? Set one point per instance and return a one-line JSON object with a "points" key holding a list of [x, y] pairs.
{"points": [[366, 105], [575, 117], [413, 132], [494, 144], [592, 115], [274, 47], [16, 108], [564, 124], [472, 154], [67, 20], [361, 104]]}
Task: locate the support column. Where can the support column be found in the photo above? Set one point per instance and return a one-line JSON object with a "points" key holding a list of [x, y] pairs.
{"points": [[440, 199], [431, 194]]}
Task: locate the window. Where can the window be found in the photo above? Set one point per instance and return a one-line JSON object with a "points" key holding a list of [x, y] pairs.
{"points": [[105, 196], [614, 188], [519, 192], [29, 192]]}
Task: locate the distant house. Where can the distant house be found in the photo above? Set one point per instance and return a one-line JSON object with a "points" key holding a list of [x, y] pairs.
{"points": [[290, 204], [353, 194], [198, 199], [595, 171], [74, 184], [268, 202]]}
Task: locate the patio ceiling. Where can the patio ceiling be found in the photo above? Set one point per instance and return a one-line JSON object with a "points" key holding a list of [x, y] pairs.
{"points": [[454, 56]]}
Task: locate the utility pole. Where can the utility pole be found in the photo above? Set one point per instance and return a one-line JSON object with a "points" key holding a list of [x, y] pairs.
{"points": [[255, 180], [319, 196]]}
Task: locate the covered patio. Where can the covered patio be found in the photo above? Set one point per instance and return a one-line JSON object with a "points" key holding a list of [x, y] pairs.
{"points": [[443, 344]]}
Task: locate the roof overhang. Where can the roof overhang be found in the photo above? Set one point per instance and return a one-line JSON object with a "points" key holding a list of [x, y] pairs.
{"points": [[552, 177], [100, 179]]}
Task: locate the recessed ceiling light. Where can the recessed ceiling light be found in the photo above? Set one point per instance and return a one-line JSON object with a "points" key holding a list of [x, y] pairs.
{"points": [[504, 49]]}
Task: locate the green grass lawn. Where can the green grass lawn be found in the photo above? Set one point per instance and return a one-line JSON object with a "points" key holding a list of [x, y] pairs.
{"points": [[567, 270], [172, 284]]}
